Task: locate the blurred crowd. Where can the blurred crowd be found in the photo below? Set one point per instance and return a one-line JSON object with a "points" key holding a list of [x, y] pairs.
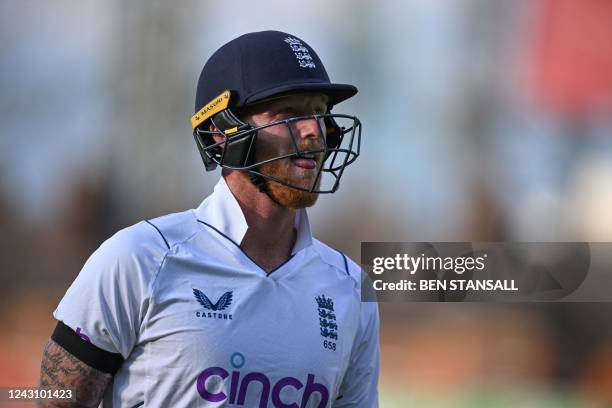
{"points": [[483, 120]]}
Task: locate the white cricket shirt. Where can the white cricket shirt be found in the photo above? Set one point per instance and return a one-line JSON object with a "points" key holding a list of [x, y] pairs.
{"points": [[199, 324]]}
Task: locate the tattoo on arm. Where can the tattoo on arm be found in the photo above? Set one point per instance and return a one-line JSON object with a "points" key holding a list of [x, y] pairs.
{"points": [[60, 369]]}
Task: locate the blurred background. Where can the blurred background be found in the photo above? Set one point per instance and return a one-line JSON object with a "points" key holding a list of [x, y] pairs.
{"points": [[484, 120]]}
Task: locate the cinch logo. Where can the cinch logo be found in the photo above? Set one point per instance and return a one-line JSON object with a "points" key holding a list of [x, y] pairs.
{"points": [[239, 386], [223, 303]]}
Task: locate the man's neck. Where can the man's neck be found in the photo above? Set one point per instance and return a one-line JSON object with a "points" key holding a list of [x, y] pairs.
{"points": [[271, 233]]}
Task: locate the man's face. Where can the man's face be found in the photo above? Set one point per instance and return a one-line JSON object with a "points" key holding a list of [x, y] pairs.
{"points": [[277, 141]]}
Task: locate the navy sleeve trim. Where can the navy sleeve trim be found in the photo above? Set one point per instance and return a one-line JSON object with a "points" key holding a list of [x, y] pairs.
{"points": [[89, 354], [160, 233], [346, 267]]}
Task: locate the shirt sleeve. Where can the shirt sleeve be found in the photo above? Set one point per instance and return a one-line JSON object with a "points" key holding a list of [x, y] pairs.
{"points": [[107, 301], [359, 387]]}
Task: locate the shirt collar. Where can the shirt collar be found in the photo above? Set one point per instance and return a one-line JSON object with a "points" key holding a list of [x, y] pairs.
{"points": [[222, 211]]}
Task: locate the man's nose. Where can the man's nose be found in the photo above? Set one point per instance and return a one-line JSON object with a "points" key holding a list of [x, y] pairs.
{"points": [[310, 128]]}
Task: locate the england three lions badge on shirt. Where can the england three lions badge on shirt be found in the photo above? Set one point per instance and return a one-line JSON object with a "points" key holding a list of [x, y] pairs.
{"points": [[328, 328]]}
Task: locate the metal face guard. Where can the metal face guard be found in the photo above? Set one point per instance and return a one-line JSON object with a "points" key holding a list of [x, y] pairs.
{"points": [[338, 148]]}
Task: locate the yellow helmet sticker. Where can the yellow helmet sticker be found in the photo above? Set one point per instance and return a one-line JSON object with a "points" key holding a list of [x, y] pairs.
{"points": [[211, 108], [232, 130]]}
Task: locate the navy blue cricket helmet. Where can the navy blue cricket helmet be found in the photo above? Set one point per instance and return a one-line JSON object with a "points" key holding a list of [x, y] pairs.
{"points": [[256, 67]]}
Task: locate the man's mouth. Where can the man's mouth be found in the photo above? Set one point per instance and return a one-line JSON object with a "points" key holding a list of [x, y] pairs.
{"points": [[305, 161]]}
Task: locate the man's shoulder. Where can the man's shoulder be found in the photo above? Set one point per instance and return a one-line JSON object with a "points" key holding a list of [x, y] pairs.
{"points": [[175, 228], [337, 259], [152, 237]]}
